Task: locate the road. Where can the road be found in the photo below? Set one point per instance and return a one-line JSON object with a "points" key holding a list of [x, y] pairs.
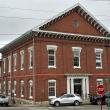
{"points": [[82, 107]]}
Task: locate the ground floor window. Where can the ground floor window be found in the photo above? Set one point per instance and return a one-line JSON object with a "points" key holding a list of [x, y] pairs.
{"points": [[14, 88], [51, 88], [9, 87], [22, 88], [30, 89]]}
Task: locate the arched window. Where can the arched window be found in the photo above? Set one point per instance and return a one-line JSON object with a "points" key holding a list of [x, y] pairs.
{"points": [[30, 89]]}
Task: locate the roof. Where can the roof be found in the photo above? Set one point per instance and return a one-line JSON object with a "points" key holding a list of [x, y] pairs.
{"points": [[40, 32], [83, 12]]}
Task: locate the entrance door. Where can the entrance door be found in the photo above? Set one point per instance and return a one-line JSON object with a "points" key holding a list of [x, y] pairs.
{"points": [[78, 86]]}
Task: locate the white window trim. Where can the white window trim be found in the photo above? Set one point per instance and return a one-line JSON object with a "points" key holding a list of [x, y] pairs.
{"points": [[0, 71], [55, 88], [14, 88], [30, 97], [9, 64], [30, 49], [53, 47], [21, 59], [4, 65], [100, 51], [15, 62], [9, 87], [21, 82], [79, 50]]}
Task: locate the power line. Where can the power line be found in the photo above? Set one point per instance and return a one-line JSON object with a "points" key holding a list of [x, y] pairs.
{"points": [[14, 17], [24, 9]]}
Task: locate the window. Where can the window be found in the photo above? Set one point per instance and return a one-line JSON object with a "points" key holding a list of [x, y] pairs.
{"points": [[30, 89], [4, 87], [99, 82], [14, 62], [22, 88], [9, 63], [22, 59], [51, 56], [98, 58], [4, 65], [52, 88], [9, 87], [0, 88], [30, 50], [14, 88], [76, 56], [0, 72]]}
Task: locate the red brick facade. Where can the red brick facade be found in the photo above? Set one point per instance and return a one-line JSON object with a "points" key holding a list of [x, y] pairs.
{"points": [[64, 71]]}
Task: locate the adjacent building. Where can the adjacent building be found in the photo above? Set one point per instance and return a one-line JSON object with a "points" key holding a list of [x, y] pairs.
{"points": [[68, 54]]}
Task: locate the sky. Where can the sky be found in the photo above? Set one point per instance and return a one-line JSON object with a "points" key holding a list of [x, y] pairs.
{"points": [[19, 16]]}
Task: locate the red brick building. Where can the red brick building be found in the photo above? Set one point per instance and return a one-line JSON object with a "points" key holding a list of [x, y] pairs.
{"points": [[68, 54]]}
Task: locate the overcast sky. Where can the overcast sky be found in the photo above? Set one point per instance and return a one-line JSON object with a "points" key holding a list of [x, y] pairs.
{"points": [[19, 16]]}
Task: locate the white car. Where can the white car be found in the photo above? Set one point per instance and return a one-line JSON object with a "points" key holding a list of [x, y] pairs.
{"points": [[66, 99]]}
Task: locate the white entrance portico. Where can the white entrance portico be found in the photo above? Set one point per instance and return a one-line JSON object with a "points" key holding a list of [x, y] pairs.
{"points": [[78, 84]]}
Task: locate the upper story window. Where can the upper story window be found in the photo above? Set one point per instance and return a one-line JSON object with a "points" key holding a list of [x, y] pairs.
{"points": [[98, 53], [22, 88], [0, 72], [22, 59], [9, 63], [30, 89], [4, 65], [51, 88], [51, 56], [15, 61], [30, 50], [76, 57]]}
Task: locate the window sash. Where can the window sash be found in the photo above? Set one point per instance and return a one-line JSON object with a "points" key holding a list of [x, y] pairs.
{"points": [[22, 59], [76, 59], [52, 88]]}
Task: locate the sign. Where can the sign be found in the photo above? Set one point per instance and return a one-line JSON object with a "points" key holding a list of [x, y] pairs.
{"points": [[100, 89]]}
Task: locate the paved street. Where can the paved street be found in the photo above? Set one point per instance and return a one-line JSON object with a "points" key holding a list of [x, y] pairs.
{"points": [[83, 107]]}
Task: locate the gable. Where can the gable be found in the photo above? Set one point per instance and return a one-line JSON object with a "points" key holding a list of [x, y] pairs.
{"points": [[76, 20]]}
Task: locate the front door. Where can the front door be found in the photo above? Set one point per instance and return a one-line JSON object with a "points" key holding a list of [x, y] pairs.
{"points": [[78, 86]]}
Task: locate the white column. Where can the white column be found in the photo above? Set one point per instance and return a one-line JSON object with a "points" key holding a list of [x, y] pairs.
{"points": [[87, 84], [83, 88], [68, 85], [72, 85]]}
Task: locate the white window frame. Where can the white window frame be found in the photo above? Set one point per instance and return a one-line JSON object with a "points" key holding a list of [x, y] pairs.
{"points": [[9, 87], [30, 50], [9, 64], [14, 88], [0, 88], [4, 65], [52, 47], [99, 82], [30, 89], [0, 71], [52, 81], [15, 61], [22, 59], [97, 50], [21, 88], [77, 49], [4, 87]]}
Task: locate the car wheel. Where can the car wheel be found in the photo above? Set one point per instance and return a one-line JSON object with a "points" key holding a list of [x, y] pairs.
{"points": [[57, 104], [76, 103], [98, 102]]}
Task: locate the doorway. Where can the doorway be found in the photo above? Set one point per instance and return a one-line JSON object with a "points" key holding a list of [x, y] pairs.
{"points": [[78, 86]]}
